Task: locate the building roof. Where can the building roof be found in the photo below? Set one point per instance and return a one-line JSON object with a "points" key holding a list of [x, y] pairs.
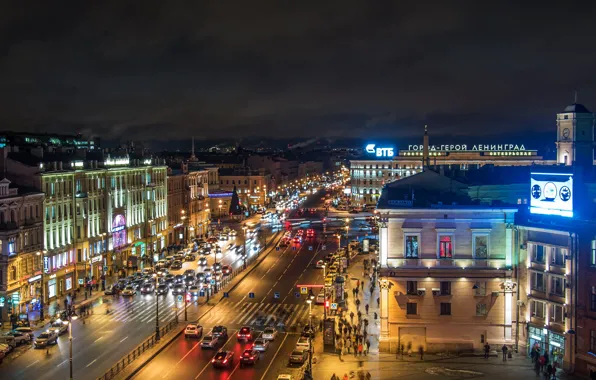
{"points": [[577, 108]]}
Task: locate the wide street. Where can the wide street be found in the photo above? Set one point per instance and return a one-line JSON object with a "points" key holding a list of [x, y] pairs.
{"points": [[277, 276], [102, 339]]}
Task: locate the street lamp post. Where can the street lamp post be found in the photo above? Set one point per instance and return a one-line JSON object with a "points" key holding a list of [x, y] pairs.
{"points": [[43, 255], [244, 228], [156, 275], [324, 292], [309, 301], [69, 324]]}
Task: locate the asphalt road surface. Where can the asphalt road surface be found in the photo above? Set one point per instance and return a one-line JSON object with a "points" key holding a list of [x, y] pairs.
{"points": [[103, 338], [271, 292]]}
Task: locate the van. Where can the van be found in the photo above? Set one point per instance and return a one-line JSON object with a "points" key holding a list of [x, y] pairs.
{"points": [[9, 340]]}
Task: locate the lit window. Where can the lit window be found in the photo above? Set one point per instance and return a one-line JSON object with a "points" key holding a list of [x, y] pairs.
{"points": [[480, 246], [537, 281], [411, 246], [537, 309], [538, 253], [445, 246], [557, 286], [556, 313]]}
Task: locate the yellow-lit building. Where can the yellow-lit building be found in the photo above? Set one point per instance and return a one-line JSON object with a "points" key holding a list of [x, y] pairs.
{"points": [[251, 185]]}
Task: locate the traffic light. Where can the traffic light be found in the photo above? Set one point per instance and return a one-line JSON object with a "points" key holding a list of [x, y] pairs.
{"points": [[326, 304]]}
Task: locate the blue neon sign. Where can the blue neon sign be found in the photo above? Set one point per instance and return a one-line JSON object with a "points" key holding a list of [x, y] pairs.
{"points": [[379, 151]]}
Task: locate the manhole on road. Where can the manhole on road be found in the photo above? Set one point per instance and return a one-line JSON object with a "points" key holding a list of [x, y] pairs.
{"points": [[459, 373]]}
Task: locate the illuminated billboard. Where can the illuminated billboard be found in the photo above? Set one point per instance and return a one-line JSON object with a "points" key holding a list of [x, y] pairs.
{"points": [[551, 194]]}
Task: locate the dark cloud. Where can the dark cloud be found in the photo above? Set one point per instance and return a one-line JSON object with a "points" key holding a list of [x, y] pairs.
{"points": [[155, 69]]}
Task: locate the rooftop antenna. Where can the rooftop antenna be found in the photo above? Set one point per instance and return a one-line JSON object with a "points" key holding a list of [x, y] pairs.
{"points": [[192, 151], [575, 97]]}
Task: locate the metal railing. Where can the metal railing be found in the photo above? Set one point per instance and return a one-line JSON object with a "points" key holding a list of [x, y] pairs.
{"points": [[136, 352]]}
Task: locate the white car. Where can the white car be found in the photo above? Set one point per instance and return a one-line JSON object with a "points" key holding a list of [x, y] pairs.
{"points": [[320, 298], [193, 330], [320, 264], [59, 327], [269, 333], [260, 345], [233, 232], [303, 344], [129, 291]]}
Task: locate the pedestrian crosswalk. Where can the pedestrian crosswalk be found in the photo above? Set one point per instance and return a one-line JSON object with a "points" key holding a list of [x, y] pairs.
{"points": [[258, 314], [137, 309]]}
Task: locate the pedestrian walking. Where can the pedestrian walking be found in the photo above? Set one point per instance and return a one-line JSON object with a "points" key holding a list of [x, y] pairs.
{"points": [[362, 285], [357, 284], [504, 349], [548, 372], [378, 302], [355, 347], [421, 352], [366, 308], [486, 350], [537, 367], [351, 316], [360, 349], [541, 362], [546, 358], [367, 376], [359, 314], [345, 377], [357, 303], [367, 345], [334, 377], [372, 290]]}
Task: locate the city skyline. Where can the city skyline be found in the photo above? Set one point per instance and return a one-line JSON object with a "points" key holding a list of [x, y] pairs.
{"points": [[289, 73]]}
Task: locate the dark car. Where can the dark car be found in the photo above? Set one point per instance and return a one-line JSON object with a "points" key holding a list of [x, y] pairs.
{"points": [[189, 280], [308, 332], [245, 334], [220, 332], [179, 279], [178, 289], [249, 356], [176, 264], [162, 289], [298, 356], [223, 359], [147, 288], [226, 270], [189, 257]]}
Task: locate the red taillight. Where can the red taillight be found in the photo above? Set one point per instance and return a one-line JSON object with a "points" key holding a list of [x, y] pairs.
{"points": [[252, 357], [225, 361], [239, 335], [248, 335]]}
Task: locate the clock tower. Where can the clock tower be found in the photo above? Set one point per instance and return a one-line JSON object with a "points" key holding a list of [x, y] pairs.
{"points": [[575, 136]]}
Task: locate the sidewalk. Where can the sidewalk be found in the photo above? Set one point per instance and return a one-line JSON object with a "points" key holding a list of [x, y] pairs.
{"points": [[57, 304]]}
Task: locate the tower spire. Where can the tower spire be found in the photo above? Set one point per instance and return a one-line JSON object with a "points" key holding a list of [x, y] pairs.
{"points": [[192, 150], [575, 97]]}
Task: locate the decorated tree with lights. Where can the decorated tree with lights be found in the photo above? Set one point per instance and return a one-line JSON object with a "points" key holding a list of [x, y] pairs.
{"points": [[235, 208]]}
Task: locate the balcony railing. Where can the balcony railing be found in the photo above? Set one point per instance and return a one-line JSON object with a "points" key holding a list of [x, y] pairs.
{"points": [[446, 263], [6, 226]]}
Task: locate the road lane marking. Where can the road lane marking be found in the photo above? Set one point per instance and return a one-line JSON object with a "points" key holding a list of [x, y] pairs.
{"points": [[34, 363], [272, 360], [179, 361], [235, 368], [209, 362], [124, 339], [88, 365], [56, 366], [101, 337]]}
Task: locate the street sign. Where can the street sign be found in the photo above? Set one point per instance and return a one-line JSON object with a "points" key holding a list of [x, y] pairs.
{"points": [[303, 290], [2, 301], [251, 295], [179, 298], [15, 298], [105, 268], [226, 294], [333, 306], [81, 281], [324, 247], [296, 294], [276, 295], [212, 282], [202, 293], [310, 247]]}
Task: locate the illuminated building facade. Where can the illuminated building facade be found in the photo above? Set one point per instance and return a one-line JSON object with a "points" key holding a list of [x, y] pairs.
{"points": [[98, 216], [188, 204], [21, 242], [251, 185], [446, 267]]}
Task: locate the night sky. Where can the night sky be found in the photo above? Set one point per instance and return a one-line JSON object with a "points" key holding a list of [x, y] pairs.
{"points": [[292, 69]]}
